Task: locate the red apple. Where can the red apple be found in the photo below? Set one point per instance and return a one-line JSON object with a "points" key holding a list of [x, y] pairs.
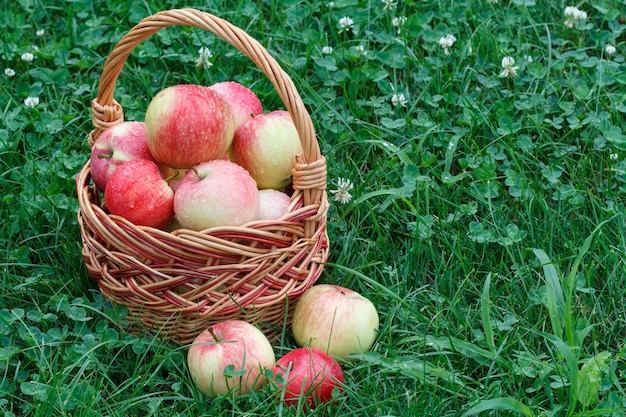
{"points": [[138, 192], [117, 144], [188, 124], [216, 193], [335, 319], [230, 355], [266, 146], [273, 204], [243, 102], [309, 376]]}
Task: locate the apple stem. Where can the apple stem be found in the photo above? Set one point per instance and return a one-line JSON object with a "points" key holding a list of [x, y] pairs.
{"points": [[172, 176], [105, 155], [215, 337]]}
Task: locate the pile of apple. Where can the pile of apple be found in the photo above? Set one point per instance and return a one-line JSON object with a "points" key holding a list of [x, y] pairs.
{"points": [[329, 323], [204, 156]]}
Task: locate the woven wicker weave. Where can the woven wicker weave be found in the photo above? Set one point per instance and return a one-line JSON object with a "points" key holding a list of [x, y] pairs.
{"points": [[177, 284]]}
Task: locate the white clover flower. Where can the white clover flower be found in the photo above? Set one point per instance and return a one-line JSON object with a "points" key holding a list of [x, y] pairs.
{"points": [[614, 156], [345, 24], [399, 99], [40, 32], [31, 101], [327, 50], [573, 15], [398, 21], [9, 72], [509, 69], [204, 57], [361, 49], [446, 42], [389, 4], [28, 56], [342, 193], [610, 49]]}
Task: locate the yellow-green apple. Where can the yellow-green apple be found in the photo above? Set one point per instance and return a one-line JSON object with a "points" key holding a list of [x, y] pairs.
{"points": [[138, 192], [216, 193], [230, 355], [117, 144], [266, 146], [243, 102], [187, 124], [335, 319], [273, 204], [308, 376]]}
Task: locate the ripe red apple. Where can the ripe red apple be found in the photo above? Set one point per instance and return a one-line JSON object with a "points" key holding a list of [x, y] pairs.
{"points": [[117, 144], [230, 355], [243, 102], [187, 124], [138, 192], [335, 319], [216, 193], [266, 146], [273, 204], [308, 374]]}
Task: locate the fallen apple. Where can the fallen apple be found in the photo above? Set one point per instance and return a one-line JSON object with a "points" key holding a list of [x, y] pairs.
{"points": [[138, 192], [216, 193], [187, 124], [116, 145], [231, 355], [243, 102], [308, 376], [266, 146], [335, 319]]}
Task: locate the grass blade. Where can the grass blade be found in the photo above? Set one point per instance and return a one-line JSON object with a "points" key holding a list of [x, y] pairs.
{"points": [[554, 292], [503, 403], [485, 310]]}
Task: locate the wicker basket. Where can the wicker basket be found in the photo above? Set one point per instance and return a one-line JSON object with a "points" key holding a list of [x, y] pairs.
{"points": [[175, 284]]}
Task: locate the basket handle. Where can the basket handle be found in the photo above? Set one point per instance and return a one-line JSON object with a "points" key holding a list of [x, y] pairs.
{"points": [[106, 111], [309, 173]]}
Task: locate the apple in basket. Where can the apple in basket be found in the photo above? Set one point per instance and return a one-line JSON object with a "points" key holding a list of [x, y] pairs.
{"points": [[266, 146], [273, 204], [216, 193], [116, 145], [243, 102], [308, 376], [138, 192], [335, 319], [187, 124], [231, 355]]}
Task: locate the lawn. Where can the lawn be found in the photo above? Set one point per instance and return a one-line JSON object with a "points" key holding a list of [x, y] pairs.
{"points": [[485, 146]]}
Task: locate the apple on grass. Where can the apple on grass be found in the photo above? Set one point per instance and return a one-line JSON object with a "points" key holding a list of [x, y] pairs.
{"points": [[116, 145], [231, 355], [266, 146], [187, 124], [243, 102], [138, 192], [273, 204], [216, 193], [308, 376], [335, 319]]}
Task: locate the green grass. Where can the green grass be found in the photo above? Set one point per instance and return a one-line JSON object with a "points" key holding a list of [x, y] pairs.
{"points": [[487, 221]]}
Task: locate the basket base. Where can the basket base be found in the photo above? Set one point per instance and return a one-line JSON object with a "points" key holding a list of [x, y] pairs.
{"points": [[182, 328]]}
